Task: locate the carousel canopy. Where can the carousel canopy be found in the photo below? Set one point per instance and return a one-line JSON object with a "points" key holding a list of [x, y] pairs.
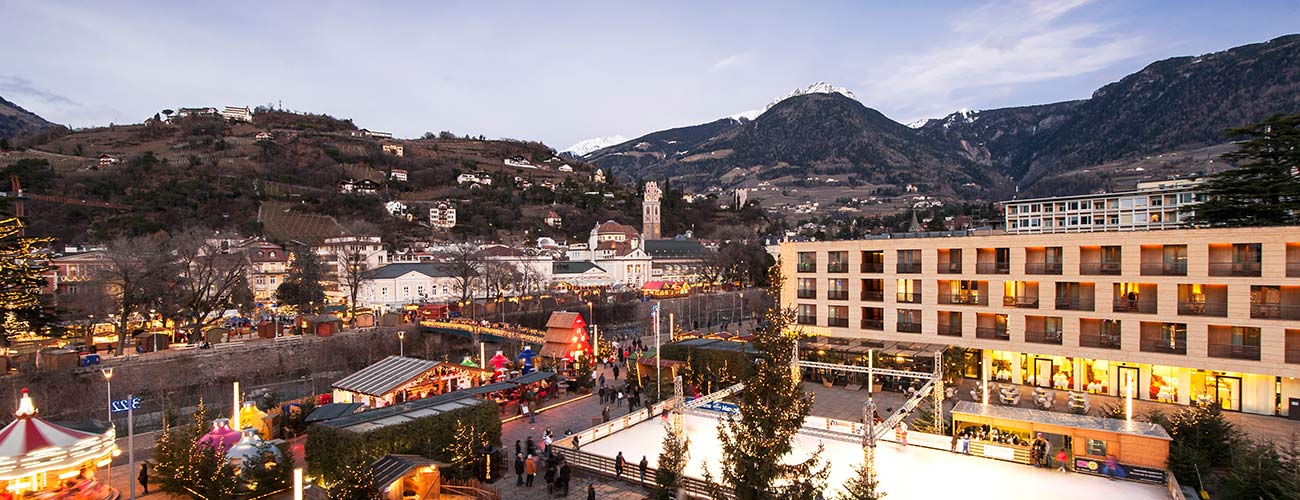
{"points": [[31, 445]]}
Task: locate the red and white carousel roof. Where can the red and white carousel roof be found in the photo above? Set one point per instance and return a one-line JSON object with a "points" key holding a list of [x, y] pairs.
{"points": [[31, 445]]}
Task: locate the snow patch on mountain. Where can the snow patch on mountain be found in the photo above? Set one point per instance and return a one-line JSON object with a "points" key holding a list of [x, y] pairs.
{"points": [[746, 115], [582, 148], [816, 88]]}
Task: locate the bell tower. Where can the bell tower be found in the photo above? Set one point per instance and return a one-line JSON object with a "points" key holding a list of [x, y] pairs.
{"points": [[650, 229]]}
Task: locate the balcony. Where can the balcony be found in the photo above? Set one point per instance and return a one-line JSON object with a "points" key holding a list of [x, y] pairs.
{"points": [[1043, 336], [837, 267], [950, 268], [807, 320], [1020, 301], [873, 267], [909, 267], [1274, 311], [1043, 268], [806, 293], [1293, 269], [1202, 308], [1099, 268], [993, 268], [994, 333], [970, 299], [837, 294], [950, 330], [1234, 351], [909, 298], [873, 295], [1074, 304], [838, 322], [1099, 340], [1135, 306], [1234, 269], [873, 324], [1172, 268], [909, 327], [807, 267], [1164, 347]]}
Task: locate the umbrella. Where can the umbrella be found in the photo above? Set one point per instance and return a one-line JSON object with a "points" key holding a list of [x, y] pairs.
{"points": [[468, 362], [499, 361], [527, 356]]}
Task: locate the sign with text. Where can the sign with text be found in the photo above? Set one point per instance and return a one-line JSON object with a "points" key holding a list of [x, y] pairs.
{"points": [[122, 405]]}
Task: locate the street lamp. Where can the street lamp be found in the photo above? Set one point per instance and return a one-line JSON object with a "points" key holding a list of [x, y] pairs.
{"points": [[401, 344], [108, 380]]}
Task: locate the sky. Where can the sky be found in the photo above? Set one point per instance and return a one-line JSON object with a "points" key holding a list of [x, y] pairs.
{"points": [[562, 71]]}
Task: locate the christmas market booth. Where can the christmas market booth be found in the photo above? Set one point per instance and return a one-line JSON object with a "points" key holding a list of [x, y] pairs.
{"points": [[321, 325], [665, 289], [396, 379], [38, 457], [566, 337], [407, 476], [1006, 433]]}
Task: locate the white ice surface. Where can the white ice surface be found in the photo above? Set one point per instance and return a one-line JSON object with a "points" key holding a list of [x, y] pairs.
{"points": [[905, 472]]}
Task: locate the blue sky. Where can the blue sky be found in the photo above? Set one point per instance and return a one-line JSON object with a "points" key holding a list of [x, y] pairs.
{"points": [[565, 71]]}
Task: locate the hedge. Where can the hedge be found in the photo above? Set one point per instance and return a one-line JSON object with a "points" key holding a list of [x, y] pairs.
{"points": [[329, 450]]}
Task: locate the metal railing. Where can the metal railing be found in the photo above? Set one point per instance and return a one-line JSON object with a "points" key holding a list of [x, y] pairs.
{"points": [[873, 295], [909, 298], [950, 330], [1172, 268], [908, 327], [909, 267], [1099, 340], [1293, 269], [806, 293], [873, 324], [949, 268], [1074, 304], [993, 268], [837, 267], [838, 322], [1178, 346], [1021, 301], [1043, 268], [1135, 306], [964, 299], [995, 333], [1274, 310], [1104, 268], [873, 267], [807, 266], [1234, 351], [837, 295], [1043, 336], [1203, 308], [1234, 269], [807, 320], [1293, 355]]}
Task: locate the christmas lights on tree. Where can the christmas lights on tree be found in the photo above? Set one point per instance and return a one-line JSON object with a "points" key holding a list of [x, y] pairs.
{"points": [[22, 262]]}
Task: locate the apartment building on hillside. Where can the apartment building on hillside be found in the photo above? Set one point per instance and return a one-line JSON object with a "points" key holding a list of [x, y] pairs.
{"points": [[1162, 204], [1191, 314]]}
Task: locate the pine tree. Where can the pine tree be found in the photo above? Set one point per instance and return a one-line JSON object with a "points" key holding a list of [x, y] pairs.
{"points": [[1264, 187], [173, 452], [357, 482], [22, 262], [923, 417], [672, 460], [462, 451], [756, 442], [865, 484]]}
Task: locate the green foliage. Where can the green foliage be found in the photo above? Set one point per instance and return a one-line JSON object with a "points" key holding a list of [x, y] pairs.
{"points": [[462, 451], [302, 289], [710, 368], [864, 485], [185, 467], [773, 407], [22, 263], [1261, 470], [672, 460], [34, 174], [1202, 438], [923, 419], [330, 450], [1263, 189], [266, 473], [356, 482]]}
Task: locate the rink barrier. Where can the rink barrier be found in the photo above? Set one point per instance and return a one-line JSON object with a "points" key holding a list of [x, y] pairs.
{"points": [[604, 466]]}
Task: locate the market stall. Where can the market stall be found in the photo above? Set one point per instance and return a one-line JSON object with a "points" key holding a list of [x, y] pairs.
{"points": [[37, 456], [566, 337], [397, 379]]}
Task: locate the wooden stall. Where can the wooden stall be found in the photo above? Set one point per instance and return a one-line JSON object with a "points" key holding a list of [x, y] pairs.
{"points": [[397, 379], [401, 477]]}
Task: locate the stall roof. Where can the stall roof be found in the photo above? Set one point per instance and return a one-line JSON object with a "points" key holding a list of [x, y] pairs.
{"points": [[388, 374], [721, 345], [379, 418], [332, 411], [530, 378], [390, 468], [1136, 428], [484, 389]]}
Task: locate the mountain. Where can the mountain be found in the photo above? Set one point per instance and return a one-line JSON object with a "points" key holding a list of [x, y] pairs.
{"points": [[583, 147], [816, 88], [1179, 104], [14, 120]]}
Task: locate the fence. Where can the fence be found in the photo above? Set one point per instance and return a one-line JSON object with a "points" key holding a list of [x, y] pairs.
{"points": [[469, 488]]}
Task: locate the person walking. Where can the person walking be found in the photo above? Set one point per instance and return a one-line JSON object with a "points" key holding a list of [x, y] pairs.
{"points": [[564, 476], [518, 448], [604, 414], [602, 380], [1061, 458], [641, 468], [550, 477], [619, 462], [591, 491], [1038, 451], [620, 398], [144, 477], [616, 371], [530, 470], [519, 469], [965, 444]]}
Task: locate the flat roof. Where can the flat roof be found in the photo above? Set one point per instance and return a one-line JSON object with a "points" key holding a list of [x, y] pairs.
{"points": [[379, 418], [388, 374], [1135, 192], [1088, 422], [718, 345]]}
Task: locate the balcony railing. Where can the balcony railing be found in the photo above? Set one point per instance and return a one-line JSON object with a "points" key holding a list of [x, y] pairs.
{"points": [[950, 330], [1172, 268], [1043, 268], [1074, 304], [873, 267], [993, 268], [837, 294], [873, 324], [808, 267], [971, 299], [1099, 340], [949, 268], [1274, 311], [1043, 336], [1234, 351], [807, 320], [909, 298], [1234, 269], [990, 332], [1020, 301], [1293, 269], [837, 267], [1164, 346], [909, 327], [838, 322], [807, 293], [1135, 306], [873, 295], [1099, 268], [909, 267], [1203, 308]]}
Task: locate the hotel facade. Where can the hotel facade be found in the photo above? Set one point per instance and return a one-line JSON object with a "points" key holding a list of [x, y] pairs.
{"points": [[1190, 314]]}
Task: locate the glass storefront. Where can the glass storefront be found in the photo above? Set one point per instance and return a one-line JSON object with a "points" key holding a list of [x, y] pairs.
{"points": [[1096, 376], [1164, 384], [1221, 388]]}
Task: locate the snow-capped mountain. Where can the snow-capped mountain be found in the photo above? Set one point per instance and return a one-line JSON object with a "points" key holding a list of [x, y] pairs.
{"points": [[581, 148], [816, 88]]}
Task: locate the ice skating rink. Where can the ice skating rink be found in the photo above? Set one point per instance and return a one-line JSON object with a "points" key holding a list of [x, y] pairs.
{"points": [[905, 472]]}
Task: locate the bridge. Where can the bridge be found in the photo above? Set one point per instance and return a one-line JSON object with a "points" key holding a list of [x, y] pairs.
{"points": [[516, 333]]}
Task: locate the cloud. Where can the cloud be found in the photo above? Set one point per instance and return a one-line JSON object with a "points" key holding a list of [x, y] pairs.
{"points": [[729, 61], [998, 47], [14, 85]]}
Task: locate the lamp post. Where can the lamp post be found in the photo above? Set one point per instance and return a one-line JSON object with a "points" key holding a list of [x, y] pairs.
{"points": [[108, 380], [130, 439], [591, 317], [401, 344]]}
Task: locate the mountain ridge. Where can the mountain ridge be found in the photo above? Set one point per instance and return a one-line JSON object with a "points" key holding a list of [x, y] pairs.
{"points": [[16, 121]]}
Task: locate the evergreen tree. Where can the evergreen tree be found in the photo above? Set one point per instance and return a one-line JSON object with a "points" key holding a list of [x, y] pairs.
{"points": [[302, 289], [865, 483], [1258, 470], [462, 451], [356, 483], [757, 442], [672, 460], [1264, 187], [266, 472], [924, 418], [1202, 438], [21, 264]]}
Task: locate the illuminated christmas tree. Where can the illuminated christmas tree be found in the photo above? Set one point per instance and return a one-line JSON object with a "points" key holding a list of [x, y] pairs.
{"points": [[463, 450], [22, 262]]}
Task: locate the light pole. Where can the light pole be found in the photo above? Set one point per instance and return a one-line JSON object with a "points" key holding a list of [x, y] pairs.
{"points": [[130, 439], [591, 317], [401, 344], [108, 380]]}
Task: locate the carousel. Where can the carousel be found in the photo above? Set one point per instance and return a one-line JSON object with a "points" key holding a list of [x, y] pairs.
{"points": [[39, 459]]}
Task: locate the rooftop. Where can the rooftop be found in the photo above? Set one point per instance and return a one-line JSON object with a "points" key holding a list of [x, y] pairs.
{"points": [[1135, 428], [399, 269], [388, 374], [380, 418]]}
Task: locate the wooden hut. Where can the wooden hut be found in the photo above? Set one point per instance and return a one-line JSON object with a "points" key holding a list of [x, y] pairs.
{"points": [[566, 336]]}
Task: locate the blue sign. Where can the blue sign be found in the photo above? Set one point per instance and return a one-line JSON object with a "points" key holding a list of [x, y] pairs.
{"points": [[125, 404], [721, 407]]}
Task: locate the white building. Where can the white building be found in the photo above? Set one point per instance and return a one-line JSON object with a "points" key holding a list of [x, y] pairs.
{"points": [[394, 149], [396, 208], [395, 285], [553, 219], [335, 253], [442, 215], [398, 174], [598, 177], [237, 113], [484, 179], [1153, 205]]}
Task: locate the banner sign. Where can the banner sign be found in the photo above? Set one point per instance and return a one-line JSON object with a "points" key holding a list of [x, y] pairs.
{"points": [[1134, 472], [125, 404]]}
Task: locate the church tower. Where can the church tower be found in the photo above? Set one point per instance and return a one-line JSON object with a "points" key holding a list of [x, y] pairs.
{"points": [[650, 212]]}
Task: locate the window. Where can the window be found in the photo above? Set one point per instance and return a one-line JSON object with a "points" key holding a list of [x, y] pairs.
{"points": [[909, 261], [909, 291], [839, 289], [807, 288], [837, 262], [807, 314], [838, 316], [273, 280], [807, 262]]}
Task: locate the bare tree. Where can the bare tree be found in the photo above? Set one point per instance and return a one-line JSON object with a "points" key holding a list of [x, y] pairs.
{"points": [[208, 279], [355, 262], [135, 277], [711, 268], [466, 268]]}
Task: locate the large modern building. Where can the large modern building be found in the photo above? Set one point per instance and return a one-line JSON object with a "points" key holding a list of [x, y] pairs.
{"points": [[1208, 314], [1161, 204]]}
